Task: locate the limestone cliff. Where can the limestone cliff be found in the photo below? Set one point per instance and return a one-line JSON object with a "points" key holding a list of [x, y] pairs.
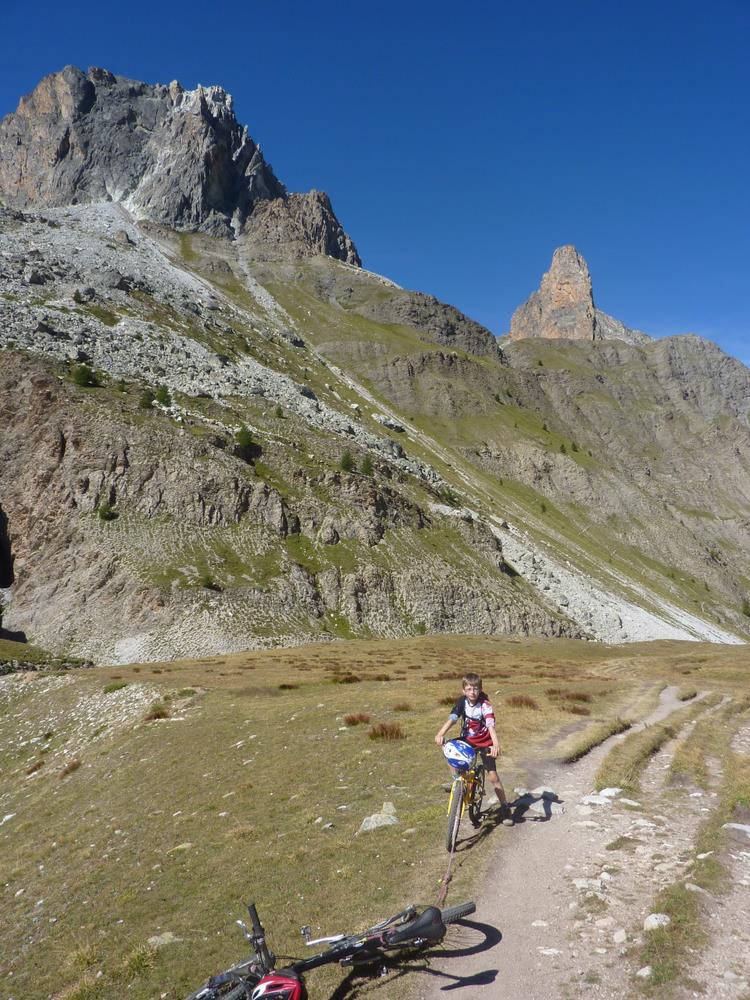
{"points": [[173, 156]]}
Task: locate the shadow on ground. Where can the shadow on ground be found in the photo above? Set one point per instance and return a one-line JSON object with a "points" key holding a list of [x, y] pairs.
{"points": [[465, 937]]}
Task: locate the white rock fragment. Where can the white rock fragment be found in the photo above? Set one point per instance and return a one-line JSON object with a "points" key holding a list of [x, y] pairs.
{"points": [[654, 920], [161, 940], [6, 818], [740, 827], [610, 793], [620, 936], [644, 973]]}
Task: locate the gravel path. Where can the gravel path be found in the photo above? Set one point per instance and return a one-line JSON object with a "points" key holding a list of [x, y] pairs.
{"points": [[569, 896]]}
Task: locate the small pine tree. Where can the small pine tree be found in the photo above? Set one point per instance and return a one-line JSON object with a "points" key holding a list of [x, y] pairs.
{"points": [[563, 449], [162, 396], [244, 437], [367, 468], [573, 446], [746, 608], [147, 399], [545, 428], [279, 412], [540, 363], [347, 462], [543, 507]]}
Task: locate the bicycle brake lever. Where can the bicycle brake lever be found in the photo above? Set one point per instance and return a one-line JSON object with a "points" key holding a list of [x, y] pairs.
{"points": [[332, 939], [243, 927]]}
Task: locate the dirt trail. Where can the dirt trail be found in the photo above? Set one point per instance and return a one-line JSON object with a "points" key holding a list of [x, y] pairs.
{"points": [[570, 895]]}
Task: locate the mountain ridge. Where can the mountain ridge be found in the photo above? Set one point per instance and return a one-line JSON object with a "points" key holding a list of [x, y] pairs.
{"points": [[407, 473]]}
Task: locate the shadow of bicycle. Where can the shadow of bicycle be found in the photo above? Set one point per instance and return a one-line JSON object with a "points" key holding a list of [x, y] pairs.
{"points": [[465, 937], [538, 806]]}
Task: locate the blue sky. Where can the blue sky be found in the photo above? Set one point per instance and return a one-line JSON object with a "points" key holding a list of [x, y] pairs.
{"points": [[461, 144]]}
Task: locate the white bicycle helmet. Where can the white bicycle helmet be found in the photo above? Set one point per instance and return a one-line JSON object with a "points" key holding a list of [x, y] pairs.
{"points": [[459, 754]]}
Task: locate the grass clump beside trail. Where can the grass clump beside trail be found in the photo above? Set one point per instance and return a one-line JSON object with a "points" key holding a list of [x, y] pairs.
{"points": [[592, 737], [623, 765], [665, 948], [172, 825]]}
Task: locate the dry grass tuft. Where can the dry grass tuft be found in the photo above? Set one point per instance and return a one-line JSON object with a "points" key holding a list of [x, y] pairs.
{"points": [[347, 679], [70, 767], [157, 711], [402, 706], [448, 699], [577, 709], [522, 701], [33, 768], [355, 719], [387, 731], [382, 677], [288, 687]]}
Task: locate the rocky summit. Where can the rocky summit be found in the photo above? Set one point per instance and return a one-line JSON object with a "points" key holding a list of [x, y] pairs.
{"points": [[173, 156], [563, 307], [220, 432]]}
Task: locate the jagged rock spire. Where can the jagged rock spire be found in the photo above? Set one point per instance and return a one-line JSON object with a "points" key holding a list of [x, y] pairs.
{"points": [[563, 307], [174, 156]]}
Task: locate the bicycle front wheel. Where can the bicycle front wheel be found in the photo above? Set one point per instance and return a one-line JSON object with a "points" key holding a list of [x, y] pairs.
{"points": [[475, 806], [455, 809]]}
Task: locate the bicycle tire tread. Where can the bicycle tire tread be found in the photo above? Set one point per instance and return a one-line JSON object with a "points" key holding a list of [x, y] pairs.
{"points": [[454, 817], [452, 913]]}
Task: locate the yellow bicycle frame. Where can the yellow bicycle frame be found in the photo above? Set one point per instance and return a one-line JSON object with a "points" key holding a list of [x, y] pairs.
{"points": [[468, 782]]}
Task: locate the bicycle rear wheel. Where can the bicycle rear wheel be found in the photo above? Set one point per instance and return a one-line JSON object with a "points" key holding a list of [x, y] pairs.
{"points": [[454, 814], [453, 913]]}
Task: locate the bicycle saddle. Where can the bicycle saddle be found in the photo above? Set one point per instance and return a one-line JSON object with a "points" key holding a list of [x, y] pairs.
{"points": [[428, 924]]}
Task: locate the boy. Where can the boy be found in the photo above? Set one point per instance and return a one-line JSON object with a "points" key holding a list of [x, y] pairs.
{"points": [[478, 730]]}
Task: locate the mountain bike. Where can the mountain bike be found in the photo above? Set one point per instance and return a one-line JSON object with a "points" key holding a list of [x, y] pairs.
{"points": [[256, 977], [467, 792]]}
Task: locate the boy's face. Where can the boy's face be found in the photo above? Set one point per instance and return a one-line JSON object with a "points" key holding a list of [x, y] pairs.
{"points": [[472, 692]]}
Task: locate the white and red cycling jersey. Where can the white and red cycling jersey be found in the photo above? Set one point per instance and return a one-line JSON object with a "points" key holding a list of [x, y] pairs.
{"points": [[477, 720]]}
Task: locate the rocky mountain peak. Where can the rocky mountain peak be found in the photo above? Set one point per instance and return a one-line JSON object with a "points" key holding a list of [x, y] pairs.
{"points": [[169, 155], [563, 307]]}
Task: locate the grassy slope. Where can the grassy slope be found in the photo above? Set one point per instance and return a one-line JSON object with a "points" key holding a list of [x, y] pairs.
{"points": [[241, 772], [495, 415]]}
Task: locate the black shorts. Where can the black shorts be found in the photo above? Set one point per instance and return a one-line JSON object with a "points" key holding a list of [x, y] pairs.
{"points": [[490, 763]]}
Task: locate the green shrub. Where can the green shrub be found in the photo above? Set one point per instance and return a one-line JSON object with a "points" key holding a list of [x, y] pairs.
{"points": [[106, 512], [115, 686], [162, 396], [147, 399], [347, 462], [563, 449], [367, 467], [279, 412], [84, 376]]}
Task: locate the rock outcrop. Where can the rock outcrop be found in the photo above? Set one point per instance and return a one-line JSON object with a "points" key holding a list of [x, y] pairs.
{"points": [[563, 307], [173, 156]]}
